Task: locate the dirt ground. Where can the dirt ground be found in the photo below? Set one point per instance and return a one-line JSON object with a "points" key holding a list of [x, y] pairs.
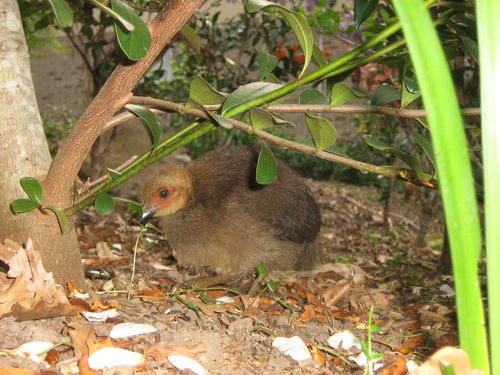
{"points": [[364, 265]]}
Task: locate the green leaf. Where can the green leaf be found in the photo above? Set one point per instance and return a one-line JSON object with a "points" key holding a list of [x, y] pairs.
{"points": [[409, 92], [337, 151], [148, 119], [190, 37], [63, 12], [218, 119], [297, 22], [363, 9], [113, 175], [203, 93], [33, 188], [104, 203], [302, 32], [412, 160], [62, 218], [262, 119], [267, 63], [318, 57], [322, 131], [426, 146], [385, 94], [312, 96], [343, 93], [261, 270], [267, 167], [135, 44], [23, 205], [248, 92]]}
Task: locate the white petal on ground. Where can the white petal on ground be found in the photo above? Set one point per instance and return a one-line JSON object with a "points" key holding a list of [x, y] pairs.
{"points": [[100, 316], [345, 340], [224, 299], [293, 347], [111, 357], [123, 330], [32, 349], [183, 362]]}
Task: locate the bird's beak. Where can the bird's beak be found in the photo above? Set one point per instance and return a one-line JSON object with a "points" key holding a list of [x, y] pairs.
{"points": [[148, 212]]}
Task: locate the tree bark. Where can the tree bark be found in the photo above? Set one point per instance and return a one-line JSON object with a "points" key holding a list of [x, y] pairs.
{"points": [[24, 152]]}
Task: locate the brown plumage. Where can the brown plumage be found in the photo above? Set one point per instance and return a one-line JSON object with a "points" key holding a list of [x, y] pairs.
{"points": [[216, 216]]}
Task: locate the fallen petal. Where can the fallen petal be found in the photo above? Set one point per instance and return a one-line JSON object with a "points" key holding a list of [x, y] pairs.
{"points": [[183, 362], [293, 347], [123, 330], [111, 357]]}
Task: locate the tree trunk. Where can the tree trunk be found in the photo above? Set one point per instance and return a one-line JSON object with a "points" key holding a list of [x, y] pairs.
{"points": [[24, 152]]}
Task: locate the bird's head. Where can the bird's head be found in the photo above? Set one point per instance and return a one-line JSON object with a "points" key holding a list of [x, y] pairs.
{"points": [[167, 192]]}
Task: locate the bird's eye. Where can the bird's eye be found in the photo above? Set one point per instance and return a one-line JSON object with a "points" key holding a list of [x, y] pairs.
{"points": [[163, 193]]}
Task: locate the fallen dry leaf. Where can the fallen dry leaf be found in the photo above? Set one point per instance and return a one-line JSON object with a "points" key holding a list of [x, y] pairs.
{"points": [[32, 293]]}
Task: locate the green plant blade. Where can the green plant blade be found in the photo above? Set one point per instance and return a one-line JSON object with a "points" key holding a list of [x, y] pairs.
{"points": [[203, 93], [190, 37], [267, 167], [104, 203], [135, 44], [426, 146], [408, 92], [214, 118], [454, 173], [23, 205], [262, 119], [322, 131], [248, 92], [149, 120], [488, 27], [363, 9], [312, 96], [267, 63], [32, 187], [318, 57], [343, 93], [385, 94], [63, 12]]}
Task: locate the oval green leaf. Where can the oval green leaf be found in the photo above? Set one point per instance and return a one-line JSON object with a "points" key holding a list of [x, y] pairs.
{"points": [[248, 92], [322, 131], [312, 96], [267, 167], [135, 44], [426, 146], [190, 37], [203, 93], [104, 203], [267, 63], [318, 57], [363, 9], [149, 120], [23, 205], [33, 188], [409, 92], [262, 119], [343, 93], [253, 6], [385, 94], [63, 12]]}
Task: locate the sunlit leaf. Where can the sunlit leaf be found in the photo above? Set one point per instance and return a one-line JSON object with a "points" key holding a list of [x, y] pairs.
{"points": [[203, 93], [312, 96], [149, 120], [322, 131], [248, 92], [135, 44], [63, 12], [385, 94], [267, 63], [190, 37], [23, 205], [343, 93], [104, 203], [32, 187], [267, 167]]}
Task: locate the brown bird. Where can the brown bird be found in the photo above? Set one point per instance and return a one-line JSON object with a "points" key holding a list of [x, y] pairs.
{"points": [[216, 217]]}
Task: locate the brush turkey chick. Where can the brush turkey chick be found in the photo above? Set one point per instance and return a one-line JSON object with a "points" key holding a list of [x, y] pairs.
{"points": [[216, 217]]}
